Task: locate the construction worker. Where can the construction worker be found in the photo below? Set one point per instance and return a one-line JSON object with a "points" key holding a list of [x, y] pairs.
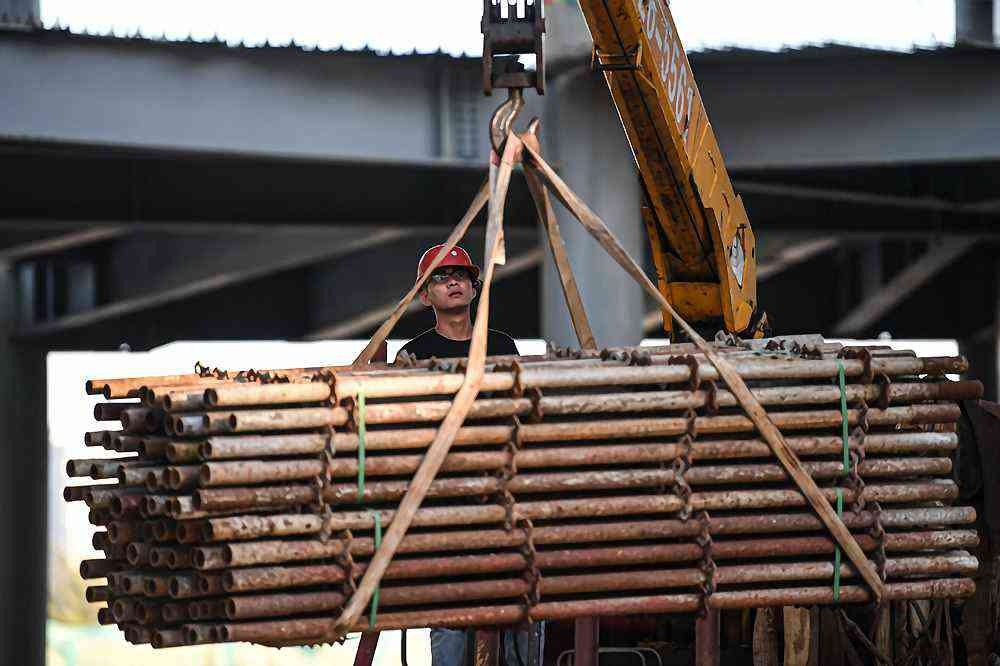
{"points": [[450, 291]]}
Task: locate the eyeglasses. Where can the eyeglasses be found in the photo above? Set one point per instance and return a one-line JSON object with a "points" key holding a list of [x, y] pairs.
{"points": [[440, 277]]}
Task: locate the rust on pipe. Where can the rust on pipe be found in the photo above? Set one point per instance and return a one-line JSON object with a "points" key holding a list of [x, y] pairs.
{"points": [[304, 629], [182, 400], [182, 477], [252, 527], [253, 471], [659, 401], [629, 479], [265, 394], [262, 420], [569, 456], [97, 438], [252, 446], [272, 578], [639, 505], [183, 452], [434, 383], [112, 411], [646, 427], [141, 420], [154, 447]]}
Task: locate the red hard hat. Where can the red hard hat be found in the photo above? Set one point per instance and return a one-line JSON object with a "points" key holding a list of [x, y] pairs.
{"points": [[456, 257]]}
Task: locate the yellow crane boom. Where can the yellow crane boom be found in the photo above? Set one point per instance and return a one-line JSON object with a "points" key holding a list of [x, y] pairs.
{"points": [[702, 243]]}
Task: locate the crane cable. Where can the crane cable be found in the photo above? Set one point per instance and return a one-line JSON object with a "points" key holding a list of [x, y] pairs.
{"points": [[706, 255]]}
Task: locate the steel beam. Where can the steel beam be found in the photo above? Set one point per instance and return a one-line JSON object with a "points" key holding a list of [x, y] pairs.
{"points": [[61, 243], [241, 264], [333, 104], [777, 205], [878, 304], [137, 93]]}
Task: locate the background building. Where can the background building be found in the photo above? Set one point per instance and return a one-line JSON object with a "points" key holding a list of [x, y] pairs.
{"points": [[156, 190]]}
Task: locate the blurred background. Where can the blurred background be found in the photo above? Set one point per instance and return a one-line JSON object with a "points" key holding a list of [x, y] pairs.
{"points": [[248, 171]]}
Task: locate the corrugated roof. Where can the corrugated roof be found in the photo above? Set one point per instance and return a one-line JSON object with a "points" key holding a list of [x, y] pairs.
{"points": [[34, 28], [836, 50], [804, 52]]}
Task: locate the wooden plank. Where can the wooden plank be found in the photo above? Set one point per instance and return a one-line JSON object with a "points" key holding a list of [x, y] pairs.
{"points": [[765, 638], [789, 460], [798, 635], [365, 357], [460, 406]]}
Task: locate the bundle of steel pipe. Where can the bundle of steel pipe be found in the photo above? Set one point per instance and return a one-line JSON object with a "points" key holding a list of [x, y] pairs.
{"points": [[246, 506]]}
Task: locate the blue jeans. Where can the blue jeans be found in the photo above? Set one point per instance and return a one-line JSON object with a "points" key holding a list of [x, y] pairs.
{"points": [[448, 647]]}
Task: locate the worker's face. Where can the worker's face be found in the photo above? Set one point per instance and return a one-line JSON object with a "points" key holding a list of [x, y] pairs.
{"points": [[448, 290]]}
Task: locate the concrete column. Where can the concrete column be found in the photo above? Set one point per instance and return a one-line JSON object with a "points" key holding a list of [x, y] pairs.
{"points": [[977, 21], [585, 141], [23, 478]]}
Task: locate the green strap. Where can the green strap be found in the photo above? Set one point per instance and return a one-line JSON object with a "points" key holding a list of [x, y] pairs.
{"points": [[844, 436], [361, 444], [378, 542], [836, 552]]}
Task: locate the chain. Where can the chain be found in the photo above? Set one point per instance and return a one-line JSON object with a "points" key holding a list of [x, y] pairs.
{"points": [[707, 563], [857, 455], [532, 574]]}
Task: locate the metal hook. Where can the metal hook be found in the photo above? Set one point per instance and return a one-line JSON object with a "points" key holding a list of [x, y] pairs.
{"points": [[503, 118]]}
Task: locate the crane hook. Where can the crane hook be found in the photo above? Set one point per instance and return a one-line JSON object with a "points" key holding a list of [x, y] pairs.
{"points": [[503, 118]]}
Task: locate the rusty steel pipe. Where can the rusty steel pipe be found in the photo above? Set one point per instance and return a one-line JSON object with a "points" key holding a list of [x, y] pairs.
{"points": [[659, 401], [141, 420], [265, 394], [567, 456], [435, 383], [383, 491], [640, 505], [188, 399], [260, 420], [123, 443], [270, 552], [252, 446], [183, 452], [265, 578], [92, 466], [97, 438], [377, 440], [248, 527], [253, 471], [443, 592], [312, 630], [112, 411]]}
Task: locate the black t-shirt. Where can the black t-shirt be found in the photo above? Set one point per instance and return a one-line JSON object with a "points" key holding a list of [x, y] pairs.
{"points": [[431, 343]]}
